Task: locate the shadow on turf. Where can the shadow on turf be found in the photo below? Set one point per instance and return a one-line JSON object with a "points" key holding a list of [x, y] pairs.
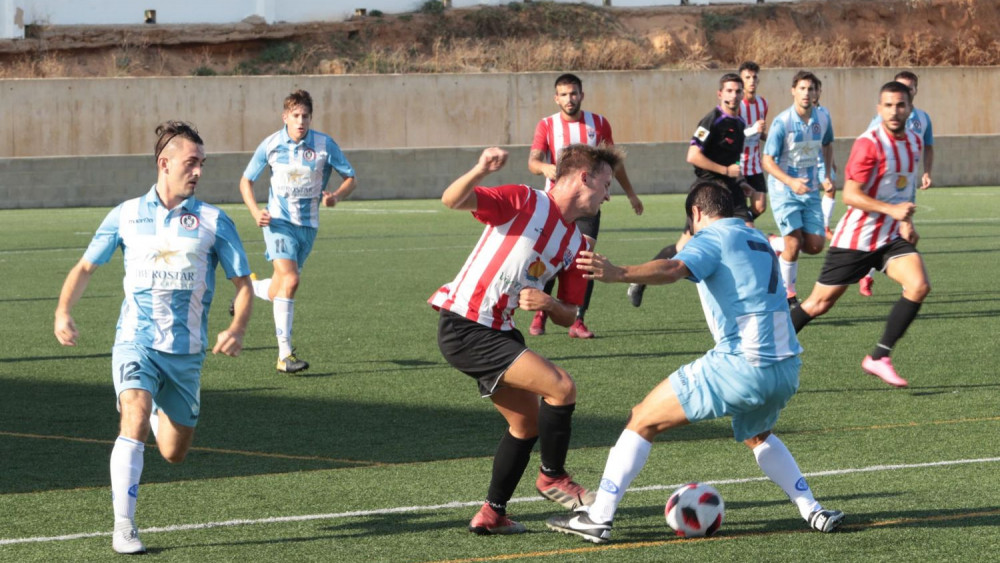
{"points": [[61, 438]]}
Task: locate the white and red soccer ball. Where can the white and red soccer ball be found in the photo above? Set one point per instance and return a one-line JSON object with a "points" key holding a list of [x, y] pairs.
{"points": [[695, 510]]}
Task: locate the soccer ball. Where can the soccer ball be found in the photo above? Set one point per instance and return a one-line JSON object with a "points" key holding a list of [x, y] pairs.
{"points": [[695, 510]]}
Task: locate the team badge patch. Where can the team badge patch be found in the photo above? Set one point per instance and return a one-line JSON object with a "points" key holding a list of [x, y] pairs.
{"points": [[815, 128], [701, 134], [536, 269], [591, 134], [901, 183], [189, 221], [309, 155]]}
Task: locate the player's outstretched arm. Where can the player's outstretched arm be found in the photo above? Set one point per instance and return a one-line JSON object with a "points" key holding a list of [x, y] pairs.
{"points": [[654, 272], [230, 341], [460, 195], [72, 289]]}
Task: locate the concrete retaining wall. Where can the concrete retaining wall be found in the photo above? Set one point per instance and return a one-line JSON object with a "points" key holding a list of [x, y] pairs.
{"points": [[89, 117], [105, 181]]}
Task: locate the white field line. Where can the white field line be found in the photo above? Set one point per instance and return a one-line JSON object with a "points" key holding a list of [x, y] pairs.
{"points": [[80, 249], [463, 504]]}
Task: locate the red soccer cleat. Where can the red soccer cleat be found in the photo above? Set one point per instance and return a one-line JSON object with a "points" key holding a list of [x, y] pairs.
{"points": [[865, 286], [579, 330], [564, 490], [882, 369], [487, 522], [538, 324]]}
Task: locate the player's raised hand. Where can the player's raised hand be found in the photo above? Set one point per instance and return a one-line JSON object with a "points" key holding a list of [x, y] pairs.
{"points": [[492, 159], [329, 198], [229, 343], [65, 330]]}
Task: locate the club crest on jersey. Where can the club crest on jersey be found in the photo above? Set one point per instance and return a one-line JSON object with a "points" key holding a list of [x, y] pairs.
{"points": [[901, 183], [815, 128], [536, 270], [591, 134], [567, 258], [309, 155], [189, 221], [701, 134]]}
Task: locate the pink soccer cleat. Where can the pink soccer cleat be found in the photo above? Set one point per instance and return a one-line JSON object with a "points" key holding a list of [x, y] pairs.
{"points": [[538, 324], [487, 522], [579, 330], [564, 490], [882, 369], [865, 286]]}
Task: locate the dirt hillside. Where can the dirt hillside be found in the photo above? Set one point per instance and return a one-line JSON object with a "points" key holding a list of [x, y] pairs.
{"points": [[530, 36]]}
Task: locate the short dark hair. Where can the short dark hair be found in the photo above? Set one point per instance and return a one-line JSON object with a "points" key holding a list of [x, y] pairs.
{"points": [[166, 131], [569, 80], [907, 75], [730, 77], [588, 158], [804, 75], [898, 88], [818, 83], [748, 65], [714, 199], [299, 98]]}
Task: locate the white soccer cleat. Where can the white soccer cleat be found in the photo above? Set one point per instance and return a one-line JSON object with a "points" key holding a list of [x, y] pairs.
{"points": [[126, 539], [826, 521]]}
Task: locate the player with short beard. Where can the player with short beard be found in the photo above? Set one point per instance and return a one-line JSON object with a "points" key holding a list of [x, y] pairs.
{"points": [[530, 237], [554, 133], [877, 229]]}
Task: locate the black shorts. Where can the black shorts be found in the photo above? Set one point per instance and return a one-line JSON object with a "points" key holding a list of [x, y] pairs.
{"points": [[843, 266], [481, 352], [590, 226], [758, 182]]}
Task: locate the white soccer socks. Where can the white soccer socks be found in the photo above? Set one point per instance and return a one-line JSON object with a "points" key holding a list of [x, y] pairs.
{"points": [[827, 204], [261, 287], [625, 461], [789, 273], [778, 464], [284, 314], [126, 469]]}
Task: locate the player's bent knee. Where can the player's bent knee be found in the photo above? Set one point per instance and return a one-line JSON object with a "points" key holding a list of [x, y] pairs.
{"points": [[564, 390]]}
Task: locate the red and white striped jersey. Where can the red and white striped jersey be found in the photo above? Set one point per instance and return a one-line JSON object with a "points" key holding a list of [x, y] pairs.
{"points": [[526, 242], [553, 133], [750, 158], [887, 169]]}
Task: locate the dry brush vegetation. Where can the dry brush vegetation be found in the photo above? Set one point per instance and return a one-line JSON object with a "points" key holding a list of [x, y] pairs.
{"points": [[544, 36]]}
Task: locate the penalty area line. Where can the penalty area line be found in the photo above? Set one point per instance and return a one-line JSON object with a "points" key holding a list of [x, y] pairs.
{"points": [[464, 504]]}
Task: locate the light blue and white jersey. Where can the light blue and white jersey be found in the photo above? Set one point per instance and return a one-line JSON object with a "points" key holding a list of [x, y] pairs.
{"points": [[918, 122], [821, 167], [299, 173], [797, 148], [170, 259], [741, 292]]}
